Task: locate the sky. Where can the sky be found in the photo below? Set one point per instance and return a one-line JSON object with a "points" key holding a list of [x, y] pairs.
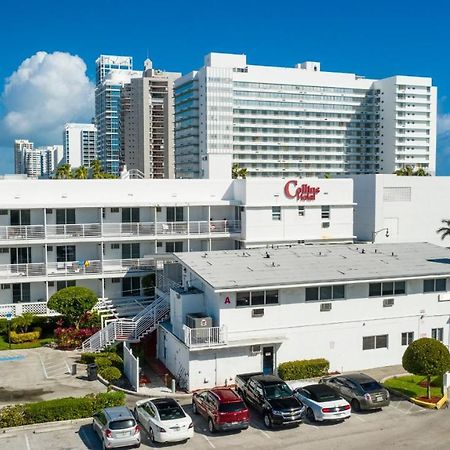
{"points": [[49, 49]]}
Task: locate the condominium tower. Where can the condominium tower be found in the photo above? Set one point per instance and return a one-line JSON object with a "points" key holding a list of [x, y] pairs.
{"points": [[36, 162], [278, 121], [147, 116], [112, 72], [80, 144]]}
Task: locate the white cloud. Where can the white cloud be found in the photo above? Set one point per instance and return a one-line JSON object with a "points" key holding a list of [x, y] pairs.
{"points": [[46, 90], [443, 124]]}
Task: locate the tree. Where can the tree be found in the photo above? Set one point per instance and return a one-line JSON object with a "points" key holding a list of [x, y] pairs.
{"points": [[73, 302], [63, 172], [23, 322], [238, 172], [81, 173], [408, 171], [96, 169], [444, 231], [427, 357]]}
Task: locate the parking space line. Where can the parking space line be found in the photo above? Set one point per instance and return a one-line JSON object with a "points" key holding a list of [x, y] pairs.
{"points": [[27, 442], [43, 366], [358, 417], [265, 434], [208, 441]]}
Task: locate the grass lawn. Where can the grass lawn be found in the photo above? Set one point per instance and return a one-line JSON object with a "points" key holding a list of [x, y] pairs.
{"points": [[39, 343], [409, 385]]}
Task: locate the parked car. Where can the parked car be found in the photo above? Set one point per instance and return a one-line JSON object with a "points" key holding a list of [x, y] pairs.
{"points": [[271, 397], [117, 428], [164, 420], [362, 391], [223, 408], [323, 403]]}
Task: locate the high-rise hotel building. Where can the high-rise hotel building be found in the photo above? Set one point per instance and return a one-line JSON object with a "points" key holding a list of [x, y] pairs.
{"points": [[80, 144], [279, 121]]}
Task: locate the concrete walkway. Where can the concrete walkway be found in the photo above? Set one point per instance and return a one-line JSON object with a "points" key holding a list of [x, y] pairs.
{"points": [[380, 373]]}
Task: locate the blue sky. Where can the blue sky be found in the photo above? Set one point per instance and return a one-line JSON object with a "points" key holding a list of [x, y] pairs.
{"points": [[375, 39]]}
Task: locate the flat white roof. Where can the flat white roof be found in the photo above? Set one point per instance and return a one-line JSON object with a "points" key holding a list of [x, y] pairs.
{"points": [[317, 264]]}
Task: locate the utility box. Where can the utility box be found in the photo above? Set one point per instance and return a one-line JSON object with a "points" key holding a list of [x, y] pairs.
{"points": [[91, 370], [198, 320]]}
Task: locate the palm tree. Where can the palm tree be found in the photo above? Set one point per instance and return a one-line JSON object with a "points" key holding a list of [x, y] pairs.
{"points": [[96, 168], [421, 172], [238, 172], [81, 173], [406, 171], [444, 231], [63, 172]]}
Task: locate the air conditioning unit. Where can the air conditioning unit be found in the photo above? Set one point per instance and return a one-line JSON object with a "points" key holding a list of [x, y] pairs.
{"points": [[387, 302], [255, 349], [324, 307], [258, 312], [198, 320]]}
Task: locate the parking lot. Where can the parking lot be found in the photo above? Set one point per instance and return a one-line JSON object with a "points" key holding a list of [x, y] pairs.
{"points": [[401, 425]]}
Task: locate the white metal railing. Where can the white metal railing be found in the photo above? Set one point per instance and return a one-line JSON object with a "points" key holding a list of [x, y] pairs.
{"points": [[73, 230], [22, 232], [135, 229], [129, 329], [17, 309], [205, 337], [70, 268]]}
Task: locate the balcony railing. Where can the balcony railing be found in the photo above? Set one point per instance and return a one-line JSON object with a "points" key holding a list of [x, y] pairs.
{"points": [[134, 229], [17, 309], [71, 268], [205, 337]]}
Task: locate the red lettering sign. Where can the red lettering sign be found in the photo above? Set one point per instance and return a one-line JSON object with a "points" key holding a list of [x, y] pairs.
{"points": [[303, 192], [227, 301]]}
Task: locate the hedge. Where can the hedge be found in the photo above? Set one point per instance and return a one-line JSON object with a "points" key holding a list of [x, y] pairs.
{"points": [[306, 368], [89, 358], [110, 374], [59, 409], [102, 362], [19, 338]]}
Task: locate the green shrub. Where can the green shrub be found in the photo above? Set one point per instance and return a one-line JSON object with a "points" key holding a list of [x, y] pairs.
{"points": [[306, 368], [88, 357], [59, 409], [102, 362], [110, 374], [116, 360], [19, 338]]}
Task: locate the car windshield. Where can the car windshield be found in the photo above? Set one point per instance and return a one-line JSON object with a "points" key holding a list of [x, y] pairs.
{"points": [[231, 407], [371, 386], [274, 391], [122, 424], [170, 412]]}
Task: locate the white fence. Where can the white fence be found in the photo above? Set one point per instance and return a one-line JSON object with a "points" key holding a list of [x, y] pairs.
{"points": [[17, 309], [131, 366]]}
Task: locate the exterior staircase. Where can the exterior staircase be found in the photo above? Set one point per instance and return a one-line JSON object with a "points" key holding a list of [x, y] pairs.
{"points": [[130, 329]]}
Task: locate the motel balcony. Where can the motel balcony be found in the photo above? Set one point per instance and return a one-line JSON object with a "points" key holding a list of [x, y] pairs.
{"points": [[157, 230], [205, 337], [75, 268], [17, 309]]}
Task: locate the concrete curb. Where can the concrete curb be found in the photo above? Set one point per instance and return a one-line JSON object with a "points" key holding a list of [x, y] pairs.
{"points": [[46, 426], [176, 395]]}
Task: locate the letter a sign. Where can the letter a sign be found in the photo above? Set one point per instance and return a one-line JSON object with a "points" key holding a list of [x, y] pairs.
{"points": [[227, 300]]}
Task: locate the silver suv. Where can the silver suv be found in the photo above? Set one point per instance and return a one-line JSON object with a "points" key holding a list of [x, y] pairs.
{"points": [[117, 427]]}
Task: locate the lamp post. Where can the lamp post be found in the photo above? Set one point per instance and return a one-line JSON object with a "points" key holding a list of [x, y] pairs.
{"points": [[374, 233]]}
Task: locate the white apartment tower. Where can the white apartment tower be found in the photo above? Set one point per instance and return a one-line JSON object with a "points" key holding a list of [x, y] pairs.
{"points": [[147, 123], [279, 121], [80, 144], [36, 162], [21, 148]]}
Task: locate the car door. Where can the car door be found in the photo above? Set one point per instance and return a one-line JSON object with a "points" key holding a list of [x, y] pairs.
{"points": [[346, 389], [251, 392], [201, 403], [99, 422], [304, 396], [210, 406], [152, 415]]}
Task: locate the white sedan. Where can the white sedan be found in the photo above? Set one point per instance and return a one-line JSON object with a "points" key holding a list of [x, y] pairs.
{"points": [[164, 420], [323, 403]]}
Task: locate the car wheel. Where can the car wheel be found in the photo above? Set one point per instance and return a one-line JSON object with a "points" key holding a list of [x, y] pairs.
{"points": [[194, 408], [310, 415], [355, 405], [267, 421], [151, 434], [211, 426]]}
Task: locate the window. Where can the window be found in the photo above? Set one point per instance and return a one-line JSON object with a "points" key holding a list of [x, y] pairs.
{"points": [[65, 216], [276, 212], [114, 210], [325, 224], [435, 285], [325, 212], [301, 211], [407, 337], [256, 298], [131, 286], [438, 334], [115, 246], [130, 251], [175, 214], [387, 288], [65, 283], [20, 217], [130, 215], [172, 247], [373, 342], [325, 293], [21, 292], [65, 253]]}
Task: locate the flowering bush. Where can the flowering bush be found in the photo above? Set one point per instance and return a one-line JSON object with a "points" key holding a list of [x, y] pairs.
{"points": [[71, 337]]}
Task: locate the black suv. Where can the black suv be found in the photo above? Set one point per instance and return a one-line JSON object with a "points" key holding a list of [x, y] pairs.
{"points": [[360, 390]]}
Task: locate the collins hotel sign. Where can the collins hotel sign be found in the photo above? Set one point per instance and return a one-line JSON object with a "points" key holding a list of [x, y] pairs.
{"points": [[300, 192]]}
